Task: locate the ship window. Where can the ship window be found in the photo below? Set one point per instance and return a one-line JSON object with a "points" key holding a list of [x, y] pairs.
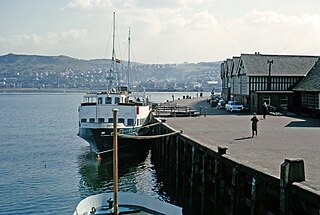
{"points": [[130, 122], [100, 120], [108, 100], [99, 100], [117, 100], [110, 120], [121, 120], [91, 120], [83, 120]]}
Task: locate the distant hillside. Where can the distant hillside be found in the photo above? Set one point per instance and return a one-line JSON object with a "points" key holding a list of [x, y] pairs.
{"points": [[30, 63], [56, 71]]}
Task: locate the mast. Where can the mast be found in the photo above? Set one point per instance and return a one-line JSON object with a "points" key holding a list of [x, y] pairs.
{"points": [[111, 71], [128, 78]]}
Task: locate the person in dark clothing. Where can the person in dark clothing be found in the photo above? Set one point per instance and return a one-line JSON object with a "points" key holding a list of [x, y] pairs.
{"points": [[254, 124], [265, 110]]}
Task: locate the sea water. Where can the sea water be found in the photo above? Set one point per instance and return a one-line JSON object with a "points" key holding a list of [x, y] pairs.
{"points": [[45, 168]]}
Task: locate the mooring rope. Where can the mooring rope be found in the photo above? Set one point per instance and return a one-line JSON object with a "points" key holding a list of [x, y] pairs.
{"points": [[149, 136], [124, 132]]}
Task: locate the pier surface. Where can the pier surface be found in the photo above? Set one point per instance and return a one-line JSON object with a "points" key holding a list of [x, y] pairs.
{"points": [[279, 137]]}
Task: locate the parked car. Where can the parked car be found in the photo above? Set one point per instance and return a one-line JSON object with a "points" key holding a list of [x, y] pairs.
{"points": [[221, 104], [234, 106]]}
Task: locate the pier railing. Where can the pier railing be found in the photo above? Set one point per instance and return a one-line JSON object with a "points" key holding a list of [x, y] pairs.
{"points": [[209, 181], [167, 110]]}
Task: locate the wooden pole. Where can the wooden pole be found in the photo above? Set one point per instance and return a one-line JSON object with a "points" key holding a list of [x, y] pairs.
{"points": [[115, 160]]}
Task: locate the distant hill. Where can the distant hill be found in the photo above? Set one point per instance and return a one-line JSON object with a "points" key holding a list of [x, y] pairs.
{"points": [[35, 70], [24, 63]]}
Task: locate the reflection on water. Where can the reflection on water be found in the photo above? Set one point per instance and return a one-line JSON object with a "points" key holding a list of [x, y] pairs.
{"points": [[136, 174]]}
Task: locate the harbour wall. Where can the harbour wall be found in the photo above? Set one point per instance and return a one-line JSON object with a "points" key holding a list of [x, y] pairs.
{"points": [[209, 181]]}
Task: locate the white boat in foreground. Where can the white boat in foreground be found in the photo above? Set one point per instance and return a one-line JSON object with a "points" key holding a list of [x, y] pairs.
{"points": [[129, 203]]}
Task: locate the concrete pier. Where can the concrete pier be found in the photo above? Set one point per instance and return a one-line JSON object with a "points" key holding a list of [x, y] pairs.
{"points": [[216, 162]]}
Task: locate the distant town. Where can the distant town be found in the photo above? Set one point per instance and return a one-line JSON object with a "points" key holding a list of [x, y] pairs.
{"points": [[62, 72]]}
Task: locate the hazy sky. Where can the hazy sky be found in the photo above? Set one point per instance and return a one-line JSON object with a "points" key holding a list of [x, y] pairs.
{"points": [[162, 31]]}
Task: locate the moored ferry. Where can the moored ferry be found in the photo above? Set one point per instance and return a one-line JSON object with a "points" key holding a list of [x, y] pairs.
{"points": [[96, 117], [96, 111]]}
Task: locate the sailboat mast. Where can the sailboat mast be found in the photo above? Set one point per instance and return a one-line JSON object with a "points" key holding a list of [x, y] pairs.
{"points": [[129, 39], [111, 74]]}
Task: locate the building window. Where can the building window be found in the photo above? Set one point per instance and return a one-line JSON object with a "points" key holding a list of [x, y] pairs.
{"points": [[266, 99], [304, 100], [92, 120], [117, 100], [284, 101], [311, 101]]}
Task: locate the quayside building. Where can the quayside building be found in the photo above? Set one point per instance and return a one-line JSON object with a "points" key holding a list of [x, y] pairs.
{"points": [[287, 83]]}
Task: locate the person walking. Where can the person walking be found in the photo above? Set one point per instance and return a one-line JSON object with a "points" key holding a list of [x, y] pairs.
{"points": [[254, 124], [265, 110]]}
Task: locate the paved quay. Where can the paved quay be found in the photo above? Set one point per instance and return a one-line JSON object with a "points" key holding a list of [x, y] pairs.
{"points": [[279, 137]]}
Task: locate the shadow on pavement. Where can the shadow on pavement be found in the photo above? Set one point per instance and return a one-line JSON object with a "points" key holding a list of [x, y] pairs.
{"points": [[307, 122], [243, 138]]}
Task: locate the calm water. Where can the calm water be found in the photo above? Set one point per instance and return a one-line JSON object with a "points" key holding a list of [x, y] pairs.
{"points": [[46, 168]]}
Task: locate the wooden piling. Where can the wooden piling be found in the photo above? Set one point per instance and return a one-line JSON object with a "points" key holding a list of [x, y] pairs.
{"points": [[292, 170]]}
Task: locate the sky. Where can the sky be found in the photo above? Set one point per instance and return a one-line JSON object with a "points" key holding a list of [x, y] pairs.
{"points": [[162, 31]]}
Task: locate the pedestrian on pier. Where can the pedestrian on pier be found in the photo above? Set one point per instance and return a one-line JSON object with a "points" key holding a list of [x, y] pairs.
{"points": [[254, 124], [265, 109]]}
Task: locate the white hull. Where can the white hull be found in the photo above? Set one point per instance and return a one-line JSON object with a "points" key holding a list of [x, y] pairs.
{"points": [[126, 201]]}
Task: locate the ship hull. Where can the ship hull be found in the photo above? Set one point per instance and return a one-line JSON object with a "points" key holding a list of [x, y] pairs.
{"points": [[101, 139]]}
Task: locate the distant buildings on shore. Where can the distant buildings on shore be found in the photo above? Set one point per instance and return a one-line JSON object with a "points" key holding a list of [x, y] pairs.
{"points": [[62, 72]]}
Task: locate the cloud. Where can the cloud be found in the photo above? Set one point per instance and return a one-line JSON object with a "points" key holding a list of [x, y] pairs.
{"points": [[51, 43], [133, 4], [271, 17], [86, 4], [272, 32], [25, 38]]}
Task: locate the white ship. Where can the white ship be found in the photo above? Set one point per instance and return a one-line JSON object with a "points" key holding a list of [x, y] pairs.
{"points": [[96, 116]]}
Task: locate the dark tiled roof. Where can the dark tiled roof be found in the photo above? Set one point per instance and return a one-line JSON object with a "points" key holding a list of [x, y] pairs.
{"points": [[283, 65], [311, 82]]}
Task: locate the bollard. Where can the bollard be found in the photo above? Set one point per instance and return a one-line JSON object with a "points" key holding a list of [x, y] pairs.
{"points": [[222, 150], [205, 111], [292, 170], [200, 110]]}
